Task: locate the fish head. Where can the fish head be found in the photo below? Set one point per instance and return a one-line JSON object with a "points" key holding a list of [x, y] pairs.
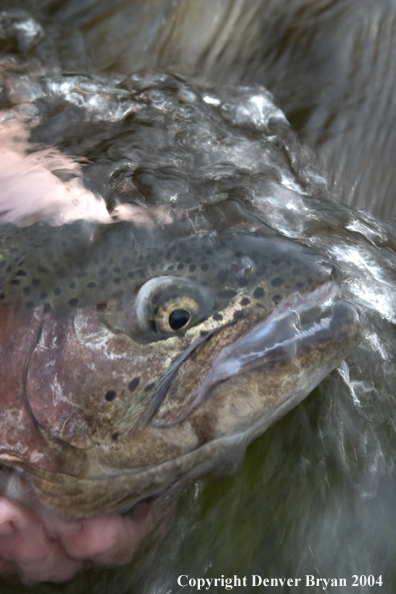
{"points": [[133, 368]]}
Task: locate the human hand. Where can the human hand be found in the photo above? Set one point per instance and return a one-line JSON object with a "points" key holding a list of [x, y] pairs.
{"points": [[42, 548]]}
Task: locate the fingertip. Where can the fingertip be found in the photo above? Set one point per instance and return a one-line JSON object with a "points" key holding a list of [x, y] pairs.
{"points": [[106, 540], [97, 535]]}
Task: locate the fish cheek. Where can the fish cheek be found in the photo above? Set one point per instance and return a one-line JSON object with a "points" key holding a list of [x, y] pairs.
{"points": [[78, 379]]}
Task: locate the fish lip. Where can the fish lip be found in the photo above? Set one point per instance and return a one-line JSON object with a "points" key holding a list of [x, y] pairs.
{"points": [[303, 301]]}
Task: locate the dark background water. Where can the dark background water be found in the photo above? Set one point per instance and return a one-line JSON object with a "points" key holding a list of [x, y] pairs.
{"points": [[316, 493]]}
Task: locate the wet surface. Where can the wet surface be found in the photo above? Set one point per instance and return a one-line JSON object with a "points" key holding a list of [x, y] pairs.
{"points": [[328, 63], [205, 149]]}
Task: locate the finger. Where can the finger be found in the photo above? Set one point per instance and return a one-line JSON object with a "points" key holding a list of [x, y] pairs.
{"points": [[106, 540], [23, 541]]}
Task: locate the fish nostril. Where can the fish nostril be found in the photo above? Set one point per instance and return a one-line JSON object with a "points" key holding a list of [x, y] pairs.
{"points": [[242, 268]]}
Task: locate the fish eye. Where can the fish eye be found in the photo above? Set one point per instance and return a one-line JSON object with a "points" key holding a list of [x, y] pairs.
{"points": [[179, 318], [176, 314], [169, 305]]}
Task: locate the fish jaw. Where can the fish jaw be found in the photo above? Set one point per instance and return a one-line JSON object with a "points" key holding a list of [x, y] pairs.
{"points": [[302, 333], [278, 380]]}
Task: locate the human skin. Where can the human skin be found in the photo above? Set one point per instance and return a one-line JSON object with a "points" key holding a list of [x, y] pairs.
{"points": [[42, 548]]}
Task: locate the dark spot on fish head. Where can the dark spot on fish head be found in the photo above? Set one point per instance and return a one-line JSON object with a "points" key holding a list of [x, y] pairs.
{"points": [[245, 301], [149, 387], [192, 267], [277, 281], [218, 317], [204, 266], [115, 436], [133, 384], [259, 292], [73, 302], [110, 395]]}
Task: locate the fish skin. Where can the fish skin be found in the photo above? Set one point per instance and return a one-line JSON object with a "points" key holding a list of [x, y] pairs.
{"points": [[100, 405]]}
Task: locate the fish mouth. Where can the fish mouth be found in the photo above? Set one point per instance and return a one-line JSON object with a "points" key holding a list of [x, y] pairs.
{"points": [[298, 326], [299, 318]]}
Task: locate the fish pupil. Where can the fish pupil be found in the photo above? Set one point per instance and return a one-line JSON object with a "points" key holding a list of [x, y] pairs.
{"points": [[179, 318]]}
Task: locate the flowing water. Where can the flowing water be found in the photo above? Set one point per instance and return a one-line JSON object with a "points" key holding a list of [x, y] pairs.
{"points": [[163, 106]]}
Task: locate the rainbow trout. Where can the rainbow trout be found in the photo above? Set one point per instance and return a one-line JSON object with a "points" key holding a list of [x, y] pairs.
{"points": [[128, 366]]}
